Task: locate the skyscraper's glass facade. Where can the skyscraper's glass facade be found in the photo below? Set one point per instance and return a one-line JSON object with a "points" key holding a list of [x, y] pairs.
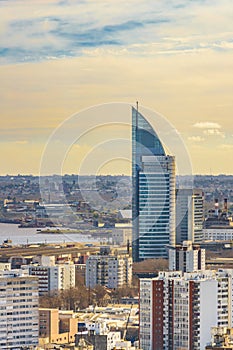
{"points": [[153, 204]]}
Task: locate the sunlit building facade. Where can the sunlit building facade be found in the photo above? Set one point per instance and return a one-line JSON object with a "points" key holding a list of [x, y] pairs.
{"points": [[52, 278], [189, 215], [187, 257], [109, 270], [178, 310], [18, 310]]}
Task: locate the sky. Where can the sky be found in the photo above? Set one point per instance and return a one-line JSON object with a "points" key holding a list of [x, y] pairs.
{"points": [[60, 58]]}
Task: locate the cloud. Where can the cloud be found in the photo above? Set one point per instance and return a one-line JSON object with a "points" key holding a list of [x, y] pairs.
{"points": [[64, 28], [210, 128], [213, 132], [207, 125]]}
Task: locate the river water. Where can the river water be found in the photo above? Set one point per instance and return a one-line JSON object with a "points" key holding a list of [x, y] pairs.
{"points": [[30, 236]]}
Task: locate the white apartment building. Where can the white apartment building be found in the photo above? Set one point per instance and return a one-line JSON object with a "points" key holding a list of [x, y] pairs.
{"points": [[189, 215], [187, 257], [18, 310], [178, 310], [109, 270], [62, 277], [99, 329], [55, 277]]}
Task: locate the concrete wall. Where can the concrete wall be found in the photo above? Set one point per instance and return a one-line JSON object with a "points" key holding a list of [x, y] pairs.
{"points": [[208, 310]]}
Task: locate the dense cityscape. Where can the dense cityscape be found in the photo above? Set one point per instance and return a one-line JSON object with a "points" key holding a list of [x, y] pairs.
{"points": [[153, 274], [116, 181]]}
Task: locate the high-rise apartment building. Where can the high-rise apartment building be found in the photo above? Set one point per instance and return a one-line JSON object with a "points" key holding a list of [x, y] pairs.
{"points": [[187, 257], [109, 270], [189, 215], [18, 310], [153, 203], [52, 278], [177, 311]]}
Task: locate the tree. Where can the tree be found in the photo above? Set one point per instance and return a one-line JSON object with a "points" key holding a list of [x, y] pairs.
{"points": [[68, 299], [100, 295], [151, 265], [125, 291], [50, 300]]}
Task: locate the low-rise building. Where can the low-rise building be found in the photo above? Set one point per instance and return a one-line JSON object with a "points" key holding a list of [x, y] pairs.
{"points": [[114, 317], [57, 326], [218, 233], [5, 266], [122, 236], [105, 341], [222, 339], [125, 345]]}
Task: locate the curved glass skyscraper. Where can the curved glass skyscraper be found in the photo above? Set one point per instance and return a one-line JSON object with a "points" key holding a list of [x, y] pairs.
{"points": [[153, 203]]}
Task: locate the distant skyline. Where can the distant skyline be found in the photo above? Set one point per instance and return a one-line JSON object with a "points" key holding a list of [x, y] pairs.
{"points": [[58, 57]]}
